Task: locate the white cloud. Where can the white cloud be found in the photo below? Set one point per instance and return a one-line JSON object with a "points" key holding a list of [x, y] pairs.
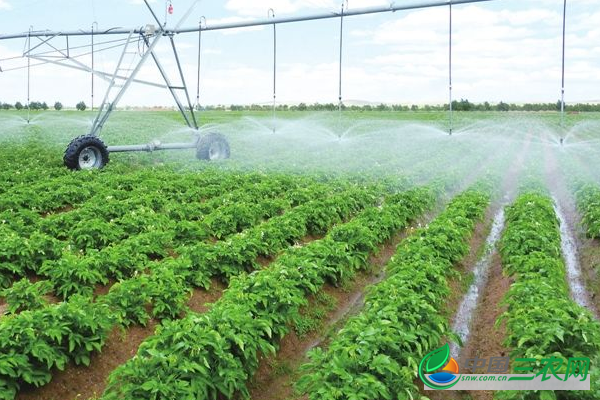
{"points": [[5, 5]]}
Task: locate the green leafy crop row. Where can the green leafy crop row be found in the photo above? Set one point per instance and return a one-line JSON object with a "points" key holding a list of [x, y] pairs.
{"points": [[375, 356], [34, 342], [588, 203], [542, 320], [150, 234], [214, 354]]}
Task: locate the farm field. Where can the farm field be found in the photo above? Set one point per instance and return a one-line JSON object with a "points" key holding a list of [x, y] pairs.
{"points": [[323, 261]]}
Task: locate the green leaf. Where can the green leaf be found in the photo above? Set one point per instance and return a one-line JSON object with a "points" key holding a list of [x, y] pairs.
{"points": [[547, 395], [437, 358]]}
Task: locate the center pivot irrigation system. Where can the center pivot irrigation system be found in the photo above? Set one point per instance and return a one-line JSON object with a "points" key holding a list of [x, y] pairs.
{"points": [[138, 45]]}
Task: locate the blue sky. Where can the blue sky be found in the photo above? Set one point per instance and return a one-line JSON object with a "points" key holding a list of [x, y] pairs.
{"points": [[504, 50]]}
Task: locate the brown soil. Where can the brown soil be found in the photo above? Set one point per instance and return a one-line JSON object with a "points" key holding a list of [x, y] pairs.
{"points": [[102, 290], [310, 238], [264, 261], [201, 299], [80, 382], [589, 258], [61, 210]]}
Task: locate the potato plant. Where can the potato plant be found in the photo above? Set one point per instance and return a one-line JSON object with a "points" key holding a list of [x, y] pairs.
{"points": [[542, 320]]}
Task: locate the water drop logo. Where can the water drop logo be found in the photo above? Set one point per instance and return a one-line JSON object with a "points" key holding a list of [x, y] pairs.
{"points": [[433, 362]]}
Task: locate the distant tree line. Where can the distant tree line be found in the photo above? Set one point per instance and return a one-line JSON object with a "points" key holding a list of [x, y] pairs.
{"points": [[457, 105], [36, 105]]}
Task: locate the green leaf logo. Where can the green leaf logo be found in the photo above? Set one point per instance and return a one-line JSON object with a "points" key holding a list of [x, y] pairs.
{"points": [[433, 361], [437, 358]]}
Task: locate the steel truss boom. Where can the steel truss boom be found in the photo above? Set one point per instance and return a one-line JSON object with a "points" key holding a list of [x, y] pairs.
{"points": [[393, 7]]}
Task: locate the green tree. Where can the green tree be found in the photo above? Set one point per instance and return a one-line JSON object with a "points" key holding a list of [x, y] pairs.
{"points": [[502, 106], [81, 106], [18, 105], [58, 106]]}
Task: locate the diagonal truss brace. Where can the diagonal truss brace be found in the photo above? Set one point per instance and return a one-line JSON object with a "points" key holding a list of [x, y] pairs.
{"points": [[187, 112], [108, 105], [107, 108], [78, 65]]}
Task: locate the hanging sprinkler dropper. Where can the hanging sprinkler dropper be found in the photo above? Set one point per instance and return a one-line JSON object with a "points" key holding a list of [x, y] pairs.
{"points": [[29, 74], [562, 93], [169, 9], [201, 26], [450, 70], [94, 25], [271, 14], [340, 104]]}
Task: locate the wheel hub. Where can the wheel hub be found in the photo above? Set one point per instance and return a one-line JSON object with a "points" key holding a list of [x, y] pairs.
{"points": [[215, 152], [89, 158]]}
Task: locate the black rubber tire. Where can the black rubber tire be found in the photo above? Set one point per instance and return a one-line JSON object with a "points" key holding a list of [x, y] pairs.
{"points": [[213, 146], [73, 154]]}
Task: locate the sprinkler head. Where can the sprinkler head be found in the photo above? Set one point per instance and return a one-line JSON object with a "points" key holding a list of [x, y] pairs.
{"points": [[562, 141]]}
